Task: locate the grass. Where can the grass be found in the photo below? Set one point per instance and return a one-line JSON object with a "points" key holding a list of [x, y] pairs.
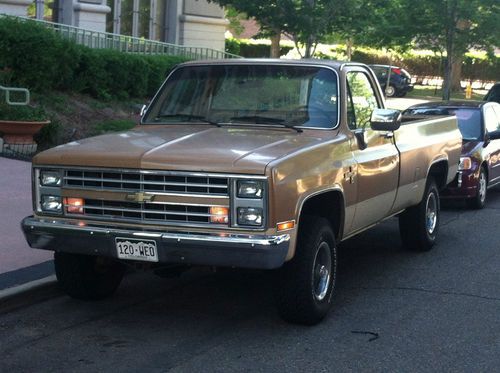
{"points": [[429, 92], [116, 125]]}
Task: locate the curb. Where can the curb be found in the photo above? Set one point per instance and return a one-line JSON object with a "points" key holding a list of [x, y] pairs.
{"points": [[28, 293]]}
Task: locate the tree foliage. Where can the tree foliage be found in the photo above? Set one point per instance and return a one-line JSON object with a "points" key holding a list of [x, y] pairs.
{"points": [[307, 22], [448, 27]]}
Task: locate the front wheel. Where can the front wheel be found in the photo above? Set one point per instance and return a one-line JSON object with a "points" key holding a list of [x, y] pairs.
{"points": [[87, 277], [419, 225], [305, 284], [479, 200]]}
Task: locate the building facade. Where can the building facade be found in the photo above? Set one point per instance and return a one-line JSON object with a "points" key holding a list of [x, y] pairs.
{"points": [[184, 22]]}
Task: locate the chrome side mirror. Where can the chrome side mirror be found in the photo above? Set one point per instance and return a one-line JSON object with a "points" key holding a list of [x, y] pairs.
{"points": [[143, 110], [385, 120]]}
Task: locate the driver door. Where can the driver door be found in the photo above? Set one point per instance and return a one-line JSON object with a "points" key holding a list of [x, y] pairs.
{"points": [[374, 151]]}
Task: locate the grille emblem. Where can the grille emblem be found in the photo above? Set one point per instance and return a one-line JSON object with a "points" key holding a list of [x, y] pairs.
{"points": [[140, 197]]}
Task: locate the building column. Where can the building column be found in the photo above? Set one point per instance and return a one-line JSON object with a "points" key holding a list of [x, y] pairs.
{"points": [[15, 7], [152, 20], [117, 16], [91, 14], [172, 25], [39, 9]]}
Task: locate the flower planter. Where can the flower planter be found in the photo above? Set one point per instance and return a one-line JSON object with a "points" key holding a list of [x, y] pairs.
{"points": [[18, 135]]}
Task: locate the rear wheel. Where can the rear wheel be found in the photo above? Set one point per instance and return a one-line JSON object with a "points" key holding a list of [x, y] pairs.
{"points": [[390, 91], [87, 277], [419, 225], [305, 284], [479, 200]]}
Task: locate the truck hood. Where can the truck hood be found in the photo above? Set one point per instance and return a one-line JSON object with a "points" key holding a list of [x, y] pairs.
{"points": [[182, 148]]}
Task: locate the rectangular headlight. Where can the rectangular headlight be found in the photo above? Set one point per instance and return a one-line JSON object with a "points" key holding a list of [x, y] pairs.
{"points": [[252, 216], [250, 189], [50, 203], [50, 178]]}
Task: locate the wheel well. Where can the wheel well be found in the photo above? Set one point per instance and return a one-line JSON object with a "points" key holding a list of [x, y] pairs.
{"points": [[328, 205], [439, 171]]}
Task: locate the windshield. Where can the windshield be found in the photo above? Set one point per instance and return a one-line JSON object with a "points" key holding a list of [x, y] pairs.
{"points": [[469, 120], [244, 94]]}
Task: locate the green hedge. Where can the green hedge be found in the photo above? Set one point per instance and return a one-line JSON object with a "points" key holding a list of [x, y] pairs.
{"points": [[252, 50], [473, 68], [35, 57]]}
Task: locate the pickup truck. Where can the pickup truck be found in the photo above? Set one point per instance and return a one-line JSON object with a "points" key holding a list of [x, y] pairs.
{"points": [[266, 164]]}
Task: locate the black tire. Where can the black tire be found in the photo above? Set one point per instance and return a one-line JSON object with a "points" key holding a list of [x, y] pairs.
{"points": [[390, 91], [87, 277], [479, 201], [419, 225], [305, 284]]}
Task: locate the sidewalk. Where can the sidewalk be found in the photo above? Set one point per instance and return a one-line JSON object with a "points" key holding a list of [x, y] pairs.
{"points": [[19, 263]]}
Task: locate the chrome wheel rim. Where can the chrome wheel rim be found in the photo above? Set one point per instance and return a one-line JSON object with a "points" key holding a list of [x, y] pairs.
{"points": [[482, 187], [390, 91], [431, 213], [322, 268]]}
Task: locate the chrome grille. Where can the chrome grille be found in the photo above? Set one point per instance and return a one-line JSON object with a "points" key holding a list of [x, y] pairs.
{"points": [[137, 181], [153, 212]]}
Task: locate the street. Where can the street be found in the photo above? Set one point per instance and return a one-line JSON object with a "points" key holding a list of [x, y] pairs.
{"points": [[394, 310]]}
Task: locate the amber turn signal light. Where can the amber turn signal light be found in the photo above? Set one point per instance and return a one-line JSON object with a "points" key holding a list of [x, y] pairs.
{"points": [[219, 215], [73, 205], [286, 225]]}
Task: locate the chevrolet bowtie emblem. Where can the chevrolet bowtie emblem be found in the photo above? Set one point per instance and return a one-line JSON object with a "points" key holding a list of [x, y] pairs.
{"points": [[140, 197]]}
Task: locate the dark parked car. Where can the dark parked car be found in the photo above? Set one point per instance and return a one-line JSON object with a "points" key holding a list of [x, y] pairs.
{"points": [[479, 123], [493, 94], [399, 81]]}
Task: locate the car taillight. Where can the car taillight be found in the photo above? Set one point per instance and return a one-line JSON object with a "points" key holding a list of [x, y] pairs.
{"points": [[396, 71]]}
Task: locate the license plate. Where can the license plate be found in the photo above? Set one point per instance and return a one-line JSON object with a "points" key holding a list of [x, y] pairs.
{"points": [[135, 249]]}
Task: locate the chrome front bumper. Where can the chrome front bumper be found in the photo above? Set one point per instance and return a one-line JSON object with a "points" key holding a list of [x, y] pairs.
{"points": [[245, 251]]}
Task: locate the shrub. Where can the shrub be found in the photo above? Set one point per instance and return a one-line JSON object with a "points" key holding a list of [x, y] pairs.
{"points": [[425, 64], [49, 136], [250, 49], [25, 113], [37, 58]]}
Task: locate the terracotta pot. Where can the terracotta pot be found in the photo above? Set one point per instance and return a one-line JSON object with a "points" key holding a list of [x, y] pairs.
{"points": [[20, 132]]}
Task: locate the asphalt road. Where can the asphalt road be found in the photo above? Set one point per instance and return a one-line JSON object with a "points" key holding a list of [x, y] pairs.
{"points": [[394, 311]]}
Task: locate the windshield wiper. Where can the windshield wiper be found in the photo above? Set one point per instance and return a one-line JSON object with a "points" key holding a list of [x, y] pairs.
{"points": [[258, 119], [188, 118]]}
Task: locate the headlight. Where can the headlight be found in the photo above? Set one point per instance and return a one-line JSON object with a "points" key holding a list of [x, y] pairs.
{"points": [[465, 163], [50, 178], [250, 216], [250, 189], [51, 204]]}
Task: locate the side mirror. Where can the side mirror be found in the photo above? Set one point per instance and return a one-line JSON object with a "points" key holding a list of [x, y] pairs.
{"points": [[495, 135], [385, 120], [143, 110]]}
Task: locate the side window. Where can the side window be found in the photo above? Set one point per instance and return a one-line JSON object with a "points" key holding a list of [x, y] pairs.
{"points": [[491, 120], [361, 100]]}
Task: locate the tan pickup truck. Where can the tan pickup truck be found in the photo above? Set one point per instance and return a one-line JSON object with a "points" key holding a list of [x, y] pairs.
{"points": [[265, 164]]}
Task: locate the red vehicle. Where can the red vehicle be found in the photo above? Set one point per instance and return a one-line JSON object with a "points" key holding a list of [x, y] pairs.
{"points": [[479, 123]]}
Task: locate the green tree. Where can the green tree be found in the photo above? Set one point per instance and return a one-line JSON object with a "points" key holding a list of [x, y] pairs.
{"points": [[307, 22], [269, 14], [450, 27]]}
